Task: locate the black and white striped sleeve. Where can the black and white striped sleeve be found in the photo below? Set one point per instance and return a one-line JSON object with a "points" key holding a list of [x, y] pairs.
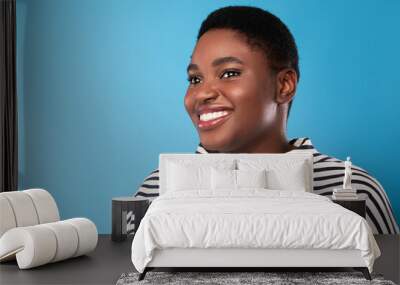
{"points": [[150, 187]]}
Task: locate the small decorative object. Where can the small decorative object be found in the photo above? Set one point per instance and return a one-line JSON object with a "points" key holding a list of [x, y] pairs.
{"points": [[347, 174], [346, 192], [127, 212]]}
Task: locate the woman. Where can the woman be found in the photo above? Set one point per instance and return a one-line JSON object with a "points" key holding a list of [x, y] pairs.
{"points": [[242, 78]]}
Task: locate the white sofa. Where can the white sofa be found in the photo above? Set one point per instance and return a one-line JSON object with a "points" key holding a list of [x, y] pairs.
{"points": [[31, 231]]}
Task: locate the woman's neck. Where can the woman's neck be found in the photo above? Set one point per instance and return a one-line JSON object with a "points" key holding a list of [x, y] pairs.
{"points": [[268, 144]]}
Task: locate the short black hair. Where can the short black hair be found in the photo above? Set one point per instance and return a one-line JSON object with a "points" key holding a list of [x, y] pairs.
{"points": [[261, 29]]}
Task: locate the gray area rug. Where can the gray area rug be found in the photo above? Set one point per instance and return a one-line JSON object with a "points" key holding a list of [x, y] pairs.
{"points": [[229, 278]]}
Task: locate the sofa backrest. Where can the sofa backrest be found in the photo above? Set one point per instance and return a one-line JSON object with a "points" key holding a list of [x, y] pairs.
{"points": [[279, 162], [26, 208]]}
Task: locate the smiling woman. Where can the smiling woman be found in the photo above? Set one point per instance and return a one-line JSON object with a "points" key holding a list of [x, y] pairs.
{"points": [[242, 78]]}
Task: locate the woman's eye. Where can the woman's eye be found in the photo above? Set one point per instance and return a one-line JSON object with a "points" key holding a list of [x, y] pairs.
{"points": [[230, 73], [193, 80]]}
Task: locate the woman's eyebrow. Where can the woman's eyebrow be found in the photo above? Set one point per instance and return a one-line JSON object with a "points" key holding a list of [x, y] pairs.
{"points": [[216, 62], [226, 59], [192, 66]]}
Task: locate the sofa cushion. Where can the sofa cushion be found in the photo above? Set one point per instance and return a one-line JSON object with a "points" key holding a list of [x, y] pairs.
{"points": [[26, 208]]}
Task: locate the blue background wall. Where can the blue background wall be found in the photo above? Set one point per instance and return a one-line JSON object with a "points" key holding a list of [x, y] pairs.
{"points": [[101, 87]]}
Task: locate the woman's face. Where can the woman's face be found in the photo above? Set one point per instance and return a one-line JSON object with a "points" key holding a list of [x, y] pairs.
{"points": [[231, 93]]}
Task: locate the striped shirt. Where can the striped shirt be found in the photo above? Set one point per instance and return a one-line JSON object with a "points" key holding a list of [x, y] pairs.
{"points": [[328, 174]]}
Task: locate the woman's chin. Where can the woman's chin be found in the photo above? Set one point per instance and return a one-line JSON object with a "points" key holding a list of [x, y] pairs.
{"points": [[219, 139], [218, 145]]}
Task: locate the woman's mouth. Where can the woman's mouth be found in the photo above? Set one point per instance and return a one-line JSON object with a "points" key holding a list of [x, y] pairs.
{"points": [[212, 120]]}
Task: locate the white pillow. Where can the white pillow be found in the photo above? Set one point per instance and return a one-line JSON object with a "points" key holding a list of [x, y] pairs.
{"points": [[251, 178], [292, 179], [188, 175], [281, 174], [229, 179], [223, 179]]}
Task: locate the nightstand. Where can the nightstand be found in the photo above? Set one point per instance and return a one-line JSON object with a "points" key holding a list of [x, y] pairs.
{"points": [[357, 206], [127, 212]]}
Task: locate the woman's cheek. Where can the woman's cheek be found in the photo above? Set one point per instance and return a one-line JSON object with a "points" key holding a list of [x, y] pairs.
{"points": [[188, 103], [249, 117]]}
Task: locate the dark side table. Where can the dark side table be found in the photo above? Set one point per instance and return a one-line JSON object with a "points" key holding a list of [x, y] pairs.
{"points": [[357, 206], [127, 212]]}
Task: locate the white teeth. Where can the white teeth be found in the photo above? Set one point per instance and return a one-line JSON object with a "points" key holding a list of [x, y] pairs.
{"points": [[212, 116]]}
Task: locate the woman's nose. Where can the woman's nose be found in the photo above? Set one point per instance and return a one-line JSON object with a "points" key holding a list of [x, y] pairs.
{"points": [[207, 94]]}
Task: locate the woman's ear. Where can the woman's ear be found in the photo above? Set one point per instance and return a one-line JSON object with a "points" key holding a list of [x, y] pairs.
{"points": [[286, 80]]}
